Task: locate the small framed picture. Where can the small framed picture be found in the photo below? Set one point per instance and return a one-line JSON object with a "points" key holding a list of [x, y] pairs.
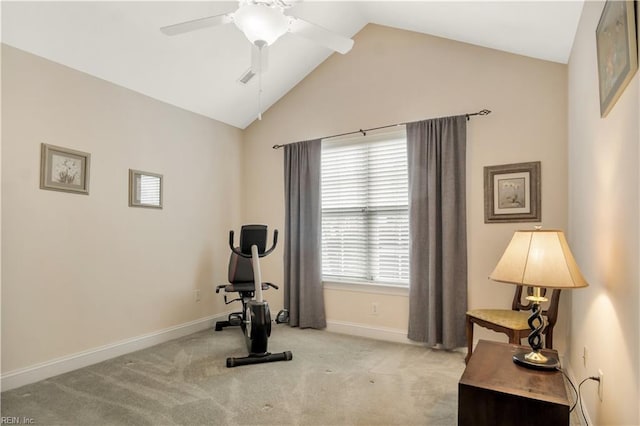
{"points": [[512, 193], [145, 189], [64, 169], [616, 45]]}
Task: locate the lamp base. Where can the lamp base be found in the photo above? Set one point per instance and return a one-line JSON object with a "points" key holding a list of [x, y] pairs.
{"points": [[536, 361]]}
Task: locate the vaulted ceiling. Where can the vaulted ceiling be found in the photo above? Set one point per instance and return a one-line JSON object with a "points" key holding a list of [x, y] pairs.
{"points": [[120, 42]]}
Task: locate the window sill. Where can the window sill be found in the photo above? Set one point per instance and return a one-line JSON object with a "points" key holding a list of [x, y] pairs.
{"points": [[366, 287]]}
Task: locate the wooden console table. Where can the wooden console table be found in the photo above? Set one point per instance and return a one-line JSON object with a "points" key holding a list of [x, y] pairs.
{"points": [[493, 390]]}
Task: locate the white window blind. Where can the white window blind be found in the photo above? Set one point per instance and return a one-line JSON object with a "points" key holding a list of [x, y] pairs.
{"points": [[365, 220], [149, 189]]}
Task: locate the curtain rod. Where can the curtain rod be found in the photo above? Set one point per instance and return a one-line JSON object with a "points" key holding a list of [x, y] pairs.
{"points": [[364, 131]]}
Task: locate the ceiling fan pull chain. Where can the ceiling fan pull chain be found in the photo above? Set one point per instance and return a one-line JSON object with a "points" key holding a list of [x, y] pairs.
{"points": [[260, 80], [259, 95]]}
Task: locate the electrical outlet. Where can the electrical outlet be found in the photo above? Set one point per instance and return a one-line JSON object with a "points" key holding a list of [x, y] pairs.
{"points": [[601, 385], [374, 308], [196, 295]]}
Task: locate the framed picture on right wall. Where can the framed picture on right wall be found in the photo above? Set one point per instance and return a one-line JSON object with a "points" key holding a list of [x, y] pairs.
{"points": [[617, 50]]}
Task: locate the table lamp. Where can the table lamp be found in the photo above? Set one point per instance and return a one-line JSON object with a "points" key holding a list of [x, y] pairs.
{"points": [[539, 259]]}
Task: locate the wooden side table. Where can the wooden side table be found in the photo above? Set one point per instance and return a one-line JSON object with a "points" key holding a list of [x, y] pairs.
{"points": [[493, 390]]}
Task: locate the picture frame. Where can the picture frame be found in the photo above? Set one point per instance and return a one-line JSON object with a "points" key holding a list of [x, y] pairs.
{"points": [[64, 169], [617, 51], [512, 193], [145, 189]]}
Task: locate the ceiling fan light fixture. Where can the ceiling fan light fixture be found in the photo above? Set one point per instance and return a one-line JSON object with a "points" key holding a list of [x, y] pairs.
{"points": [[261, 22]]}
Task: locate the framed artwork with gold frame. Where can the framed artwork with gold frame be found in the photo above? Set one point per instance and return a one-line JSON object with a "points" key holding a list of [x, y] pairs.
{"points": [[617, 50]]}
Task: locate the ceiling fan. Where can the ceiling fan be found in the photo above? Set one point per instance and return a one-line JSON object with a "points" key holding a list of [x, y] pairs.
{"points": [[263, 22]]}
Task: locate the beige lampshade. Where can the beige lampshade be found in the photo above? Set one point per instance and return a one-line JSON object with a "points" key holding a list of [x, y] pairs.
{"points": [[540, 258]]}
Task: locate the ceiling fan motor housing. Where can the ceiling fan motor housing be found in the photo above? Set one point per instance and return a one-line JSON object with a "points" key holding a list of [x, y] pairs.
{"points": [[261, 22]]}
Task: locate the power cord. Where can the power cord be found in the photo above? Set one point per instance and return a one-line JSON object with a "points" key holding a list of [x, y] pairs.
{"points": [[575, 402], [577, 392], [597, 379]]}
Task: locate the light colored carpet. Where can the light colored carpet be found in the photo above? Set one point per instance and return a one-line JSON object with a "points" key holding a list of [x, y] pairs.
{"points": [[332, 380]]}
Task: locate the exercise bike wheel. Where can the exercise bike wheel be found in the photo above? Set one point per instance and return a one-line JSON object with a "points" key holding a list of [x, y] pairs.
{"points": [[258, 329]]}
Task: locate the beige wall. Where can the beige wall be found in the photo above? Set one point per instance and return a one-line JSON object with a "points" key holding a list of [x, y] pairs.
{"points": [[398, 76], [604, 226], [84, 271], [78, 271]]}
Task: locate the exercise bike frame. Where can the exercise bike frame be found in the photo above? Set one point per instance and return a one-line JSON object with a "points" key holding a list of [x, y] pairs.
{"points": [[256, 316]]}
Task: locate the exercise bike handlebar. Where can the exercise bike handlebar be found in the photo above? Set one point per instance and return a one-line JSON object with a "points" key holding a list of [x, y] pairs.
{"points": [[239, 253]]}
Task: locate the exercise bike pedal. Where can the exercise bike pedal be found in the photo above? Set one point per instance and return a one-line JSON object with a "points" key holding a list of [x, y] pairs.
{"points": [[282, 317], [235, 319]]}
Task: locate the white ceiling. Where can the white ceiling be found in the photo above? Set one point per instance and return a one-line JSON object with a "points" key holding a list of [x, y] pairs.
{"points": [[121, 42]]}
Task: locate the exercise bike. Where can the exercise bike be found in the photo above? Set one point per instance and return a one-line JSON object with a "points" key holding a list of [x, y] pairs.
{"points": [[245, 279]]}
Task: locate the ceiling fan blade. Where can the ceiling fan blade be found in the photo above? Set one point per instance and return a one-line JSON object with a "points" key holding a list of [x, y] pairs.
{"points": [[196, 24], [320, 35], [259, 59]]}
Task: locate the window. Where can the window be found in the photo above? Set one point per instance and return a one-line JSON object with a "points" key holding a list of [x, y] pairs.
{"points": [[145, 189], [365, 219]]}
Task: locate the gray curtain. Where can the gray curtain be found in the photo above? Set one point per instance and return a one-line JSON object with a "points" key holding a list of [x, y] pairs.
{"points": [[303, 295], [436, 151]]}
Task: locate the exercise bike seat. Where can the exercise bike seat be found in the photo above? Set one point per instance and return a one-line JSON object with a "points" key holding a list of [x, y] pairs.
{"points": [[243, 287], [241, 276]]}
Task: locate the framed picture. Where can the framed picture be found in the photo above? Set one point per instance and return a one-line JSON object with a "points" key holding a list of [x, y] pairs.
{"points": [[512, 193], [64, 169], [145, 189], [617, 51]]}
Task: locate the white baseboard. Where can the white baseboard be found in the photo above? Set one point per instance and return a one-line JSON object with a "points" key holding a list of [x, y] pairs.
{"points": [[44, 370], [567, 368], [377, 333]]}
